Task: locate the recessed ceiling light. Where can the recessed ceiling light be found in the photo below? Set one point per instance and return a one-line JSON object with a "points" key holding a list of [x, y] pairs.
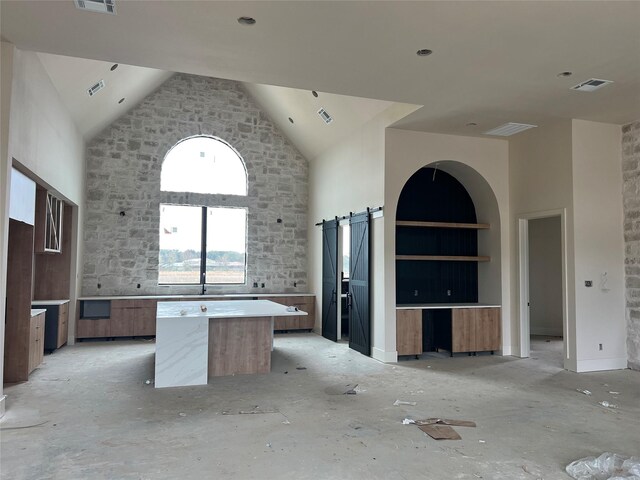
{"points": [[424, 52], [565, 74], [113, 67], [314, 93], [509, 129], [246, 21], [121, 100], [291, 119]]}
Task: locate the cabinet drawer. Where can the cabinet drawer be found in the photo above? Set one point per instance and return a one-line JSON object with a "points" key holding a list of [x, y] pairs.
{"points": [[93, 328]]}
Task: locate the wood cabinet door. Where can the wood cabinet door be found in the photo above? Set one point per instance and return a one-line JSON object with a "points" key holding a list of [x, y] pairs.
{"points": [[487, 329], [33, 343], [409, 332], [93, 328], [63, 324], [39, 356], [463, 330], [144, 322]]}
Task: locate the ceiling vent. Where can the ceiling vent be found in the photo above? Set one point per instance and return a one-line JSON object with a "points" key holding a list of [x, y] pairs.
{"points": [[101, 6], [95, 88], [509, 129], [325, 116], [591, 85]]}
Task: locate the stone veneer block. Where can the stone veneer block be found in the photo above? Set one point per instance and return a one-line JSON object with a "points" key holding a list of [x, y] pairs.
{"points": [[631, 199]]}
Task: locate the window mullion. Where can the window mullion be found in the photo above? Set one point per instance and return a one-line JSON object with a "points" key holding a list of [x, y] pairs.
{"points": [[203, 248]]}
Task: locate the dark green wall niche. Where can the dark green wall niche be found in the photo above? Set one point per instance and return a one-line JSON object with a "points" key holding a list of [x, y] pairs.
{"points": [[432, 195]]}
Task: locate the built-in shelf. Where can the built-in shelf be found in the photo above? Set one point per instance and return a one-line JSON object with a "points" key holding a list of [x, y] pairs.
{"points": [[444, 258], [409, 223]]}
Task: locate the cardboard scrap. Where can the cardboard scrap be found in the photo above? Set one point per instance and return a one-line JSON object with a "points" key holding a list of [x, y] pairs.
{"points": [[441, 428], [440, 432]]}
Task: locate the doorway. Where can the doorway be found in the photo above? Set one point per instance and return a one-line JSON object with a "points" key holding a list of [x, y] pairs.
{"points": [[543, 288]]}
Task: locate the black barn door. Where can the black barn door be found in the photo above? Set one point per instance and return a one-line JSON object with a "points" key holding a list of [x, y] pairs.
{"points": [[330, 279], [358, 298]]}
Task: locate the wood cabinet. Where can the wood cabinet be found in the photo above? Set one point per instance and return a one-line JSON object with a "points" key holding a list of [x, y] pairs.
{"points": [[36, 340], [297, 322], [409, 332], [475, 329], [56, 328], [471, 329], [93, 328], [144, 323]]}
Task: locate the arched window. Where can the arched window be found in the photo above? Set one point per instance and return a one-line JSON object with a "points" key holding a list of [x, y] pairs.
{"points": [[203, 165], [203, 244]]}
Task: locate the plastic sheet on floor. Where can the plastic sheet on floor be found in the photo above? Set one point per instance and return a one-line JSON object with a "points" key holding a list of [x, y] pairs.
{"points": [[608, 466]]}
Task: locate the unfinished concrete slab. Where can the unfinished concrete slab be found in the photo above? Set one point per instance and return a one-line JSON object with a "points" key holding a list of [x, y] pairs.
{"points": [[88, 412]]}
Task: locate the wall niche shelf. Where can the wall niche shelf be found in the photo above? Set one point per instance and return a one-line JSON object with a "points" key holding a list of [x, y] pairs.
{"points": [[476, 226], [444, 258]]}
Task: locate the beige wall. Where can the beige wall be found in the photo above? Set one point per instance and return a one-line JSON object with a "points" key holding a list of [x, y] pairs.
{"points": [[540, 181], [599, 246], [482, 166], [38, 136], [349, 178], [545, 276]]}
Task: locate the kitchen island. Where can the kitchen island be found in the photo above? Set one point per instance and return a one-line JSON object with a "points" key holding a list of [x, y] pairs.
{"points": [[196, 340]]}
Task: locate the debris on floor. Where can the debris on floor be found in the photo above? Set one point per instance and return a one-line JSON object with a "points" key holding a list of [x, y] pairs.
{"points": [[607, 466], [586, 392], [348, 389], [255, 410], [440, 428], [403, 402], [301, 368], [607, 404], [614, 393]]}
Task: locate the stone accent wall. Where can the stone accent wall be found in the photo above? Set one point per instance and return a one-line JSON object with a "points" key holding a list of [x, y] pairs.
{"points": [[631, 195], [123, 174]]}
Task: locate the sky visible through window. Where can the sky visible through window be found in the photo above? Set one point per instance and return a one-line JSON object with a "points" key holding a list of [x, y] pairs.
{"points": [[203, 165]]}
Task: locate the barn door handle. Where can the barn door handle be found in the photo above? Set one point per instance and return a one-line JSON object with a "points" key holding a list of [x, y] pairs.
{"points": [[349, 297], [333, 296]]}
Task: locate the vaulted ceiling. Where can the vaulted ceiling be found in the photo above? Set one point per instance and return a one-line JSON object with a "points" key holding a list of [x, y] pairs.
{"points": [[492, 62]]}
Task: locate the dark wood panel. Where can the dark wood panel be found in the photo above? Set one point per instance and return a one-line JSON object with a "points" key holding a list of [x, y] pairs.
{"points": [[122, 320], [409, 332], [144, 323], [63, 325], [52, 271], [18, 313]]}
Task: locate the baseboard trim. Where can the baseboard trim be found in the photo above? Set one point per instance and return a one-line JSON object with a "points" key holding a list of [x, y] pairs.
{"points": [[2, 405], [547, 332], [384, 356], [508, 350], [600, 365]]}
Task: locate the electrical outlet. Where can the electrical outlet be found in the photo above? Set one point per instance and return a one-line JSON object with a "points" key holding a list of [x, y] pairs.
{"points": [[255, 284], [588, 283], [262, 285], [448, 293], [415, 293], [600, 346]]}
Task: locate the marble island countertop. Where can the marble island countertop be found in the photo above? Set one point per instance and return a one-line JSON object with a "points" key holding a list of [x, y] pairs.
{"points": [[49, 302], [224, 309], [37, 311]]}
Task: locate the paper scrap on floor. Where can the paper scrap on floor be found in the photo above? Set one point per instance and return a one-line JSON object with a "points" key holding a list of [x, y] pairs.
{"points": [[441, 428]]}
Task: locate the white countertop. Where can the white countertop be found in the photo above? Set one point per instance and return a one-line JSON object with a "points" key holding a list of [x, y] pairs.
{"points": [[435, 306], [37, 311], [222, 309], [49, 302], [196, 297]]}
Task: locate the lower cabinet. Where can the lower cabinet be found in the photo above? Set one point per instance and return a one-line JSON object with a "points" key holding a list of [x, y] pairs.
{"points": [[295, 322], [36, 341], [56, 328], [462, 330]]}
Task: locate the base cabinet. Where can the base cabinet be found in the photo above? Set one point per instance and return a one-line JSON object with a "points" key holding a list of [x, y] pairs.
{"points": [[298, 322], [56, 328], [36, 341], [460, 330]]}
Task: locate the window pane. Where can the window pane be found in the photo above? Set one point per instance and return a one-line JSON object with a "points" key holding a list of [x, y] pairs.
{"points": [[346, 247], [180, 244], [226, 245], [203, 165]]}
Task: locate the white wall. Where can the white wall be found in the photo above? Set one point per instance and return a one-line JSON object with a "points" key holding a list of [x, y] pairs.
{"points": [[349, 178], [541, 180], [39, 136], [6, 74], [599, 246], [482, 166], [545, 276]]}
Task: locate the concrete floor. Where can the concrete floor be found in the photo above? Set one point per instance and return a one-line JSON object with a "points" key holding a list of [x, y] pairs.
{"points": [[97, 419]]}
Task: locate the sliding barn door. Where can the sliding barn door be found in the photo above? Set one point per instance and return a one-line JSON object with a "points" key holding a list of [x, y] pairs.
{"points": [[358, 298], [330, 280]]}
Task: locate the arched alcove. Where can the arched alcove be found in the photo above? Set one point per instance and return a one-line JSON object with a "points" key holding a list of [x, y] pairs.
{"points": [[453, 193]]}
